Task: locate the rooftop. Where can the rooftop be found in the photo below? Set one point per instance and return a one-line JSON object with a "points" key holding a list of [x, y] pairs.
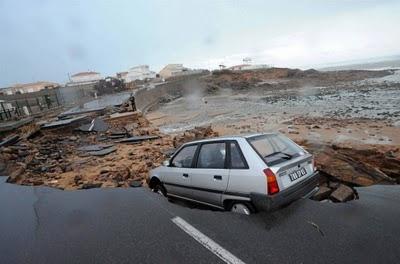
{"points": [[84, 73], [39, 83]]}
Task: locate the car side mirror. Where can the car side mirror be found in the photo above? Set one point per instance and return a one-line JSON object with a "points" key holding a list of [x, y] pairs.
{"points": [[166, 163]]}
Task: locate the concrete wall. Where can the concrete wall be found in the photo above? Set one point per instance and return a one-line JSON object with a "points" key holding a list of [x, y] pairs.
{"points": [[77, 94], [147, 97]]}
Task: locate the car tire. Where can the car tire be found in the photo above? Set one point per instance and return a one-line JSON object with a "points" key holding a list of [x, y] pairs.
{"points": [[160, 189], [241, 207]]}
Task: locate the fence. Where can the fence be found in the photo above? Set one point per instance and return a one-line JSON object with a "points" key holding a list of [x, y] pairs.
{"points": [[20, 105]]}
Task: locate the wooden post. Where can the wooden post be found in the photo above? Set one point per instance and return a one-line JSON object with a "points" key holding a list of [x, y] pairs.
{"points": [[29, 107], [17, 110], [38, 103], [58, 102], [4, 109]]}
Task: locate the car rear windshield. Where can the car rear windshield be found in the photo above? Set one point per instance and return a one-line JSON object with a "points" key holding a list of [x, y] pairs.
{"points": [[275, 148]]}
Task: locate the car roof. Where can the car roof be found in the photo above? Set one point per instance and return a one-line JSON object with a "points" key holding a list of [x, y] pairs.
{"points": [[233, 137]]}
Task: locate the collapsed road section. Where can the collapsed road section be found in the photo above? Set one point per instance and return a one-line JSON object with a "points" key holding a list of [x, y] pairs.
{"points": [[116, 147]]}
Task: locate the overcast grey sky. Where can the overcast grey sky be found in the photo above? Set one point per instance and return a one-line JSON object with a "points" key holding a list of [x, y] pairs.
{"points": [[47, 39]]}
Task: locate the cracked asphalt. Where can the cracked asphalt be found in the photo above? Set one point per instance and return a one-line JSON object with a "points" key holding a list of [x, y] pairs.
{"points": [[133, 225]]}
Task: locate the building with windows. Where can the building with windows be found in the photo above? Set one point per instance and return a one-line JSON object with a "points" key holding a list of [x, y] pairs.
{"points": [[141, 72], [174, 70]]}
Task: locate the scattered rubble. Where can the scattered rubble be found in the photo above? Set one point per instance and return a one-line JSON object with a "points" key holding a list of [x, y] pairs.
{"points": [[342, 194], [69, 155], [322, 194], [9, 140], [97, 125], [63, 122], [102, 152], [136, 139], [356, 166], [344, 167], [116, 147], [194, 134]]}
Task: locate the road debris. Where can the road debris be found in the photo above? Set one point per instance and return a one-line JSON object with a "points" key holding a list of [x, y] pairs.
{"points": [[336, 116], [322, 194], [342, 194], [64, 122], [136, 139], [97, 125], [102, 152], [194, 134], [95, 147], [9, 140]]}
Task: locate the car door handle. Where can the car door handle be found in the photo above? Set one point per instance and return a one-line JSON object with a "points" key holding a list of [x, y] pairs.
{"points": [[217, 177], [185, 175]]}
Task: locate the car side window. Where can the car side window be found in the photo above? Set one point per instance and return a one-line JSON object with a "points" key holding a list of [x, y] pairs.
{"points": [[212, 156], [185, 157], [237, 161]]}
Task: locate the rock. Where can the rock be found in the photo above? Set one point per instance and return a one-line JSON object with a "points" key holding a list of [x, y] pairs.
{"points": [[322, 194], [390, 154], [287, 122], [23, 153], [2, 166], [16, 175], [103, 171], [109, 184], [333, 185], [135, 184], [37, 182], [77, 178], [292, 131], [91, 185], [7, 150], [342, 194]]}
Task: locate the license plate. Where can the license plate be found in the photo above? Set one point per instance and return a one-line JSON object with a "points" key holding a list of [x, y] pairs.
{"points": [[297, 174]]}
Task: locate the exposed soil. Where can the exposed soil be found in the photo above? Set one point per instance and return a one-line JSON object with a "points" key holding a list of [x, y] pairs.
{"points": [[58, 157]]}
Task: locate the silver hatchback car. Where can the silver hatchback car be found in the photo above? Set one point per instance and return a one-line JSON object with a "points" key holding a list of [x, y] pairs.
{"points": [[243, 174]]}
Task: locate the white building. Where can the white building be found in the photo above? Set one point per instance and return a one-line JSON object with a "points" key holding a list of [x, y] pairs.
{"points": [[85, 77], [246, 67], [29, 87], [141, 72], [173, 70]]}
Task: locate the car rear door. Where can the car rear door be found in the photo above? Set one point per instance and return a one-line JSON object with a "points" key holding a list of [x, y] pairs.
{"points": [[209, 177], [177, 178]]}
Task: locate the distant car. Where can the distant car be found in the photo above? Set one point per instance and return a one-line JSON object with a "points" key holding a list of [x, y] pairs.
{"points": [[243, 174]]}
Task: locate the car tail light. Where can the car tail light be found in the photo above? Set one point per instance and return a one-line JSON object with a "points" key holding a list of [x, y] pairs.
{"points": [[272, 184]]}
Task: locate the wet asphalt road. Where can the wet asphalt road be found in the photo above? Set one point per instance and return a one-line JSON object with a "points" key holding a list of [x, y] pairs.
{"points": [[44, 225]]}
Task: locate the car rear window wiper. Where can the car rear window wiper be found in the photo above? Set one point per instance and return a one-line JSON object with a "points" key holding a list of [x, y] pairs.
{"points": [[288, 156]]}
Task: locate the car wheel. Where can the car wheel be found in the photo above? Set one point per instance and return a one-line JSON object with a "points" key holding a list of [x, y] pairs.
{"points": [[160, 189], [242, 208]]}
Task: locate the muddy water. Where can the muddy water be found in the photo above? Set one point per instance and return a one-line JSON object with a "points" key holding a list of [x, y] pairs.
{"points": [[377, 98]]}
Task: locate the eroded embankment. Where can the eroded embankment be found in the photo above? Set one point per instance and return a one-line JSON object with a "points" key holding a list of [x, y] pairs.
{"points": [[344, 166]]}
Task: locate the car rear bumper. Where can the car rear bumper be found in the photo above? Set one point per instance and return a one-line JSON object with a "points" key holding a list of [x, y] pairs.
{"points": [[264, 202]]}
